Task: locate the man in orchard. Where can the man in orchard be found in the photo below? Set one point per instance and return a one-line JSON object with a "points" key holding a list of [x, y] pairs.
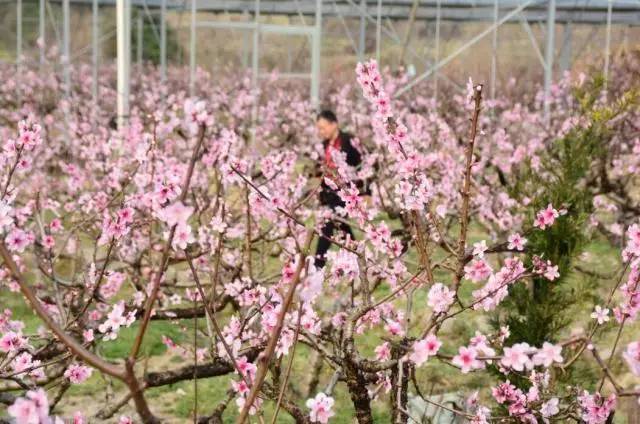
{"points": [[333, 141]]}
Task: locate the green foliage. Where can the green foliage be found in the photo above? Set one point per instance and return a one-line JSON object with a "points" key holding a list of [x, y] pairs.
{"points": [[151, 40], [538, 310]]}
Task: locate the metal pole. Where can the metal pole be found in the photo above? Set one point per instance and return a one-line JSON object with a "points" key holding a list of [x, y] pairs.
{"points": [[192, 49], [393, 34], [94, 51], [548, 69], [494, 50], [315, 56], [66, 49], [532, 38], [245, 43], [139, 34], [255, 53], [255, 58], [460, 49], [128, 51], [19, 36], [437, 52], [42, 20], [607, 47], [163, 40], [346, 29], [363, 31], [407, 37], [123, 60], [378, 30], [300, 14], [289, 52], [566, 50]]}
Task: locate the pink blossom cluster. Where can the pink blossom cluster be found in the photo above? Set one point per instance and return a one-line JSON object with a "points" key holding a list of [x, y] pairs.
{"points": [[546, 217], [370, 80], [632, 357], [440, 298], [516, 401], [176, 216], [423, 349], [321, 408], [242, 387], [545, 268], [497, 287], [105, 232], [77, 373], [596, 409], [116, 319], [632, 249], [630, 290], [521, 356], [32, 409]]}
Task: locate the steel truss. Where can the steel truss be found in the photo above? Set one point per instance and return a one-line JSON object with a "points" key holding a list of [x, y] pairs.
{"points": [[495, 12]]}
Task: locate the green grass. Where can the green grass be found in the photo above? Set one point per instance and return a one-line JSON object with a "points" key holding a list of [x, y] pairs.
{"points": [[152, 344], [175, 403], [21, 310]]}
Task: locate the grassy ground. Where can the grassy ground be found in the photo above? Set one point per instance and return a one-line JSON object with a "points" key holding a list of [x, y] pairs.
{"points": [[175, 403]]}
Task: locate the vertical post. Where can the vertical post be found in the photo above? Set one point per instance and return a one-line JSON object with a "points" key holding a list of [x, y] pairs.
{"points": [[42, 20], [123, 59], [19, 36], [437, 53], [315, 56], [378, 30], [494, 50], [607, 47], [192, 49], [255, 63], [127, 20], [407, 37], [565, 51], [255, 52], [289, 52], [548, 68], [128, 55], [163, 40], [139, 34], [363, 31], [245, 43], [94, 50], [66, 49]]}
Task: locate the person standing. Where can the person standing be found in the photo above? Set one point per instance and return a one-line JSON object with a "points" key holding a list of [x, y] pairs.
{"points": [[333, 140]]}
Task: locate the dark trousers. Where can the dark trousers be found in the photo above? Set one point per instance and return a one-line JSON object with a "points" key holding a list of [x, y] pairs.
{"points": [[324, 244]]}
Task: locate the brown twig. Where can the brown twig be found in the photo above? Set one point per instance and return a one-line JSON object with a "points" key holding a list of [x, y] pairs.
{"points": [[283, 385], [465, 192], [265, 359], [74, 346], [213, 319], [165, 256]]}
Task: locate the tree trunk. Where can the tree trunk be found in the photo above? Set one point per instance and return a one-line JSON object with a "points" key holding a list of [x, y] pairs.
{"points": [[358, 390], [399, 387]]}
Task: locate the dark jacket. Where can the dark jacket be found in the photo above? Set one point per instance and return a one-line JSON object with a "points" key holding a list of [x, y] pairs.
{"points": [[328, 196]]}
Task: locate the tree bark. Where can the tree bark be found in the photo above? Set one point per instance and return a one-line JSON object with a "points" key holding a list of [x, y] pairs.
{"points": [[399, 386], [357, 386], [214, 368]]}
